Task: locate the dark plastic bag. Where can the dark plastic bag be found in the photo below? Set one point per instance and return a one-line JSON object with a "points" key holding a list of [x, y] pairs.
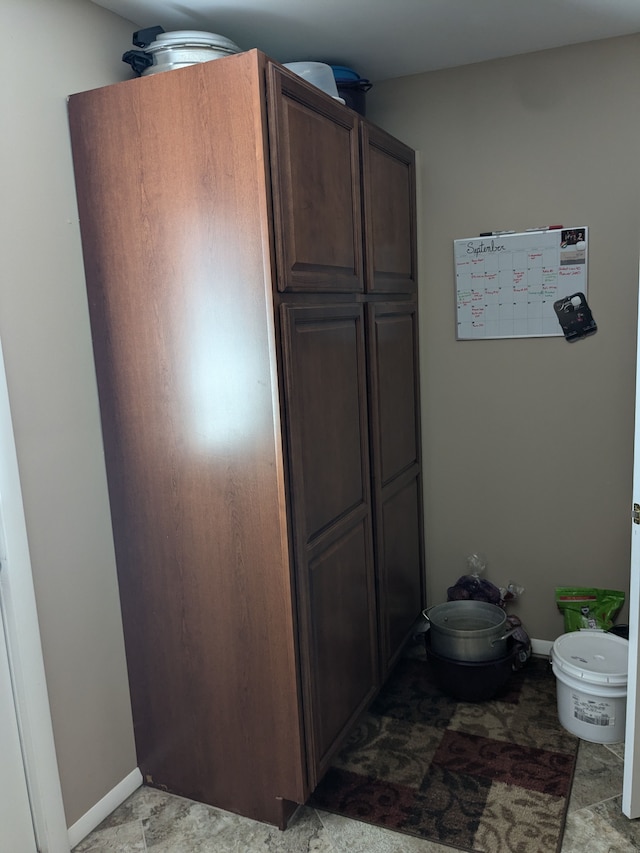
{"points": [[473, 588]]}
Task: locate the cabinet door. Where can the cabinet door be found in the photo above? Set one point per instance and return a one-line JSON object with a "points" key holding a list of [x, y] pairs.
{"points": [[389, 205], [329, 475], [395, 430], [315, 171]]}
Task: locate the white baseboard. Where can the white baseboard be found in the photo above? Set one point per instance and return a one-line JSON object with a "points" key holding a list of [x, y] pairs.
{"points": [[541, 647], [103, 808]]}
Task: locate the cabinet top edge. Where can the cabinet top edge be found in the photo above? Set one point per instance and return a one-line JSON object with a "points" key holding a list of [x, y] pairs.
{"points": [[252, 60], [254, 57]]}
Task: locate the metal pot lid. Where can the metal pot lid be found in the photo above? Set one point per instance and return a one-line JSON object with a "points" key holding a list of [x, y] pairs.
{"points": [[467, 618], [190, 53], [180, 38]]}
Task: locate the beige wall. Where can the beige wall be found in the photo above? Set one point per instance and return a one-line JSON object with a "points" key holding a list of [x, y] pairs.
{"points": [[528, 443], [57, 48]]}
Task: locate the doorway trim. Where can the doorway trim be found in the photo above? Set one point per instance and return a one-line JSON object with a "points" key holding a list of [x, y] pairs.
{"points": [[25, 650], [631, 777]]}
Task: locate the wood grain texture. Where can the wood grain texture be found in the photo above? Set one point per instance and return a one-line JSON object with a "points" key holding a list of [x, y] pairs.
{"points": [[316, 180], [242, 233], [173, 205], [397, 470], [389, 205], [328, 448]]}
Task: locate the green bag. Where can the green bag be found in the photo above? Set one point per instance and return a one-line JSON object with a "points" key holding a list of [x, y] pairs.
{"points": [[588, 608]]}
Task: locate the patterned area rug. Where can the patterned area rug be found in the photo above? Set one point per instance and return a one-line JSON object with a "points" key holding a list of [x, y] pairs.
{"points": [[483, 777]]}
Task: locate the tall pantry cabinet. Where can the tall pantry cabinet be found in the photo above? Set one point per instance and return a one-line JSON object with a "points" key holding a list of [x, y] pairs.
{"points": [[249, 248]]}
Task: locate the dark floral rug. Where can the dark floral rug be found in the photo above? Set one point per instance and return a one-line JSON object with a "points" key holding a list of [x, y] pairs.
{"points": [[477, 776]]}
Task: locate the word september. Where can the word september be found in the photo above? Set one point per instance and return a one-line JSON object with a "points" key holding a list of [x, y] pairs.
{"points": [[474, 248]]}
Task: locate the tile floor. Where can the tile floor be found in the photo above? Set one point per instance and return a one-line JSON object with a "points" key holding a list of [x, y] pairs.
{"points": [[153, 822]]}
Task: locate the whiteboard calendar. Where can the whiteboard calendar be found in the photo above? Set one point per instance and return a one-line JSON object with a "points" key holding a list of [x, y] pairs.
{"points": [[506, 283]]}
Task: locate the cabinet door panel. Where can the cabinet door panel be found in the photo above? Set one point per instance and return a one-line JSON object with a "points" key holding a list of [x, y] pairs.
{"points": [[315, 170], [393, 342], [389, 203], [397, 495], [397, 383], [329, 489], [342, 653], [400, 583], [327, 414]]}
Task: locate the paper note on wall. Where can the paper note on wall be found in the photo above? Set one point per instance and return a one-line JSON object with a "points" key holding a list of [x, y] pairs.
{"points": [[506, 284]]}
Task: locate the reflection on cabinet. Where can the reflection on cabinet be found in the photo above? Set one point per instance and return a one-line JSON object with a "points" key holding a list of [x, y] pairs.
{"points": [[249, 248]]}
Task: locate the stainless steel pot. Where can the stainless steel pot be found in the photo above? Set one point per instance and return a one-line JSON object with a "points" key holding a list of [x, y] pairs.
{"points": [[168, 51], [468, 630], [169, 54]]}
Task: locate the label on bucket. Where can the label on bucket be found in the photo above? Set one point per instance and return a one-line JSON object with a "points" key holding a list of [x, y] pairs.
{"points": [[595, 713]]}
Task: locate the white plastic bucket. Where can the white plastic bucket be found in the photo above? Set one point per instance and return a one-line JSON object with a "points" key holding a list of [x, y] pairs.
{"points": [[591, 672]]}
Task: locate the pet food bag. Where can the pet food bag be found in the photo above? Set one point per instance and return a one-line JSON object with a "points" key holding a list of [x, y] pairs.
{"points": [[587, 608]]}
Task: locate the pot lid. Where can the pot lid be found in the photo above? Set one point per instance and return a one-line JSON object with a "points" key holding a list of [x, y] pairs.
{"points": [[193, 37], [467, 619], [344, 74]]}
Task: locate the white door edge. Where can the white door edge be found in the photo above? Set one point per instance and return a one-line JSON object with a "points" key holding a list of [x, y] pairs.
{"points": [[25, 651], [17, 832], [631, 775]]}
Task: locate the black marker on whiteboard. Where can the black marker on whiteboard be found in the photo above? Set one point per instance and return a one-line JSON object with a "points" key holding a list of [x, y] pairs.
{"points": [[495, 233]]}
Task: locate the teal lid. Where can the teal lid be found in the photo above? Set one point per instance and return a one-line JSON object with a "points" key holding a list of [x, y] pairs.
{"points": [[344, 74]]}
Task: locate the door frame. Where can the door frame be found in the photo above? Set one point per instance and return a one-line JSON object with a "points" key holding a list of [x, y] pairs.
{"points": [[631, 776], [16, 821], [631, 773], [24, 648]]}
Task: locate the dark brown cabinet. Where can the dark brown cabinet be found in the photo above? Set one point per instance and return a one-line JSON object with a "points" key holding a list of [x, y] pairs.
{"points": [[389, 201], [315, 168], [396, 467], [324, 366], [249, 249]]}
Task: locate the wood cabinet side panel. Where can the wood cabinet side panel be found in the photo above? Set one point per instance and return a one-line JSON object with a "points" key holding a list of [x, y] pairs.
{"points": [[173, 204]]}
